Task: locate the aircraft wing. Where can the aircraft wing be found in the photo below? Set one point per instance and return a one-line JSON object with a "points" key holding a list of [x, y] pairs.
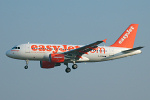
{"points": [[77, 53]]}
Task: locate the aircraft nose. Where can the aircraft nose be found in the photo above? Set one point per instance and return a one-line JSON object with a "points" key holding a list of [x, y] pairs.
{"points": [[8, 53]]}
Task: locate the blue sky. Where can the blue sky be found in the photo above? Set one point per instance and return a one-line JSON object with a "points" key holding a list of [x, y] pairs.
{"points": [[74, 22]]}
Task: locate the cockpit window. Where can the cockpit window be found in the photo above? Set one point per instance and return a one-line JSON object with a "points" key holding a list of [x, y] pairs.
{"points": [[16, 48]]}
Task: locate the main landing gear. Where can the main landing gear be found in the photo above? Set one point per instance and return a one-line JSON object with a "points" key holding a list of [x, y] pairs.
{"points": [[74, 66], [26, 67]]}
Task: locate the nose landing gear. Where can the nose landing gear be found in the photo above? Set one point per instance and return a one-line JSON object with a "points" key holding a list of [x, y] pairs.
{"points": [[26, 67]]}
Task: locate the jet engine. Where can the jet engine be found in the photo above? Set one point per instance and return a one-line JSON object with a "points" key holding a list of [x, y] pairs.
{"points": [[47, 64], [56, 58]]}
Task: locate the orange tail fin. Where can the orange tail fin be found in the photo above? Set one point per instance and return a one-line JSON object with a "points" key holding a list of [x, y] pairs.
{"points": [[126, 40]]}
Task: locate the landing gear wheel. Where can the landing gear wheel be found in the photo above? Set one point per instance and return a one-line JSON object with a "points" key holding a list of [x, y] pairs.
{"points": [[26, 67], [68, 70], [74, 66]]}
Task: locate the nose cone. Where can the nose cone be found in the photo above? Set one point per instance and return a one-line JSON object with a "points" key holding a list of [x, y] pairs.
{"points": [[8, 54]]}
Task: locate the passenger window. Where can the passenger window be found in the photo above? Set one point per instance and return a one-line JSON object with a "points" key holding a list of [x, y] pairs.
{"points": [[18, 47]]}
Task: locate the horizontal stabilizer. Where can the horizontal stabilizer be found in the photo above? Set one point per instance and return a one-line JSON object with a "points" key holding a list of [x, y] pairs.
{"points": [[131, 50], [123, 53]]}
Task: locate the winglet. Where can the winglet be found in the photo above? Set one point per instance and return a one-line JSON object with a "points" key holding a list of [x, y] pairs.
{"points": [[104, 40]]}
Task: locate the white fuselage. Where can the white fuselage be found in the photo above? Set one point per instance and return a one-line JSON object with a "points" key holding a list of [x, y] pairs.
{"points": [[41, 52]]}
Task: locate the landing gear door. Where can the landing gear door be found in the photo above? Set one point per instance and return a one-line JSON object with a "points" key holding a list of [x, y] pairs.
{"points": [[27, 48]]}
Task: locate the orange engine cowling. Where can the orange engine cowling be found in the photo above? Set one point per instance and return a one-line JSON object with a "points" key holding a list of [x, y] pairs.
{"points": [[47, 64], [57, 58]]}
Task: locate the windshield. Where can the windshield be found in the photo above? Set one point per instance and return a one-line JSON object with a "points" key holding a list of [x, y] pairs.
{"points": [[16, 48]]}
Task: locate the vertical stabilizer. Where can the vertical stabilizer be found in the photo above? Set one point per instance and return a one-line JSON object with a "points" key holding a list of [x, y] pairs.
{"points": [[126, 40]]}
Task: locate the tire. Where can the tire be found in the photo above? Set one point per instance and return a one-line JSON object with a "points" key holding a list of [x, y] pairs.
{"points": [[68, 70], [74, 66], [26, 67]]}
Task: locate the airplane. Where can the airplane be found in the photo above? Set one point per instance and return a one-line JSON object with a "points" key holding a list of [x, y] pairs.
{"points": [[52, 55]]}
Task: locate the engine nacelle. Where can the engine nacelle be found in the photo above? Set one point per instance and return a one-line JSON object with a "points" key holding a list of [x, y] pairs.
{"points": [[47, 64], [57, 58]]}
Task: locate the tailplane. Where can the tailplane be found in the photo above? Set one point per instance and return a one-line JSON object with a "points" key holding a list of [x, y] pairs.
{"points": [[126, 40]]}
